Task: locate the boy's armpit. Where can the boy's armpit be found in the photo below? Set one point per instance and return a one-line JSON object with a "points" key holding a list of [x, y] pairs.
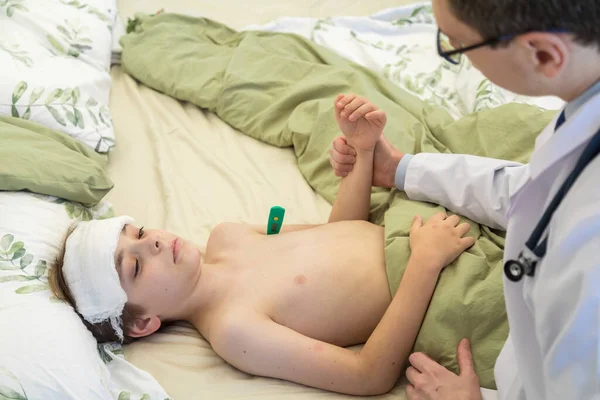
{"points": [[259, 346]]}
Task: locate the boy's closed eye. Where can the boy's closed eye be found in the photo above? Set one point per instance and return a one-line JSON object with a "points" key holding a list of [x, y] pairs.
{"points": [[137, 268]]}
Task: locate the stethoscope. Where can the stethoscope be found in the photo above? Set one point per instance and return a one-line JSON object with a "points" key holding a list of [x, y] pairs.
{"points": [[534, 251]]}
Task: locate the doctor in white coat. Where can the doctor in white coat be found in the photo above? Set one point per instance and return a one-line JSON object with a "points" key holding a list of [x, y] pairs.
{"points": [[531, 47]]}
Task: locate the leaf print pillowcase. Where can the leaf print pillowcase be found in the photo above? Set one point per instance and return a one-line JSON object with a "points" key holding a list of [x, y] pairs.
{"points": [[56, 58]]}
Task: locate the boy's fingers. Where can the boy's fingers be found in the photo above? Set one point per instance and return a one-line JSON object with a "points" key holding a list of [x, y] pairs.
{"points": [[463, 229], [337, 99], [438, 217], [376, 115], [416, 224], [344, 101], [467, 242], [453, 220], [362, 110], [352, 106]]}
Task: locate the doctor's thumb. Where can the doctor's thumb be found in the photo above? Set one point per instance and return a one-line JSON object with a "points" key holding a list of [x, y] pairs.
{"points": [[465, 358]]}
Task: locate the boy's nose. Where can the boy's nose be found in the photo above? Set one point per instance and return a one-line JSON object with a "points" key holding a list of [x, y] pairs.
{"points": [[156, 245]]}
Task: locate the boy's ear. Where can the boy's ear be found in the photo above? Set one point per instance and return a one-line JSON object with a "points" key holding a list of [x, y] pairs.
{"points": [[547, 51], [145, 326]]}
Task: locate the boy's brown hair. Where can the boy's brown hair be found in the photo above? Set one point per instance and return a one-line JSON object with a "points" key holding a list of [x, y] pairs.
{"points": [[495, 18]]}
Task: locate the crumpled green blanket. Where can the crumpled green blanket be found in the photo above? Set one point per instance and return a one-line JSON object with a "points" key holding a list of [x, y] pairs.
{"points": [[279, 88]]}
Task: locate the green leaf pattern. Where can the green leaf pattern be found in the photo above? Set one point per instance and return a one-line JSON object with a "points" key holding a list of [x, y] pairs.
{"points": [[10, 387], [15, 51], [91, 10], [488, 96], [10, 6], [76, 211], [66, 106], [420, 15], [125, 395], [320, 25], [73, 39], [15, 257]]}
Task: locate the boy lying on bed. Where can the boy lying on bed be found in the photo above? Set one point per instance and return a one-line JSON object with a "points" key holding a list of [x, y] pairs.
{"points": [[282, 306]]}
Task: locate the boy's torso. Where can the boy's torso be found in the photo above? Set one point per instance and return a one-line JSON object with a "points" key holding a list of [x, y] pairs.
{"points": [[328, 282]]}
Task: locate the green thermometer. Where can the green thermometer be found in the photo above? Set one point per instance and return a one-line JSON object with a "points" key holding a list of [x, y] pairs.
{"points": [[275, 220]]}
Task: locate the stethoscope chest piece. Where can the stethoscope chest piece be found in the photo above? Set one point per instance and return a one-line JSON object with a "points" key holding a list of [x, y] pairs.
{"points": [[513, 270], [516, 269]]}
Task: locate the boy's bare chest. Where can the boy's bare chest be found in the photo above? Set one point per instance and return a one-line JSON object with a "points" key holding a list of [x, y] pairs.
{"points": [[300, 280]]}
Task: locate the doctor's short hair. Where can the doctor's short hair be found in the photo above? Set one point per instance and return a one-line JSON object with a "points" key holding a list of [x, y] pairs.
{"points": [[494, 18]]}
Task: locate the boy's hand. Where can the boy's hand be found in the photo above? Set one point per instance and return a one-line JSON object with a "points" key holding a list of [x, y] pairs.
{"points": [[440, 241], [360, 121]]}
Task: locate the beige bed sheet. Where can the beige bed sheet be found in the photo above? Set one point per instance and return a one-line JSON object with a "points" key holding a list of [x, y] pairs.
{"points": [[182, 169]]}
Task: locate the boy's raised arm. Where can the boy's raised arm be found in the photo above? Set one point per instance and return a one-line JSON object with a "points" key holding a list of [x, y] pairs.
{"points": [[362, 123]]}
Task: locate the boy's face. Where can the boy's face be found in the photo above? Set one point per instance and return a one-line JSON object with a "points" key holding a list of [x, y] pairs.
{"points": [[157, 269], [522, 67]]}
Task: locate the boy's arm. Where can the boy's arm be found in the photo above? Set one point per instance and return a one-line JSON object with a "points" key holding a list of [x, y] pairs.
{"points": [[265, 348], [362, 124], [353, 199]]}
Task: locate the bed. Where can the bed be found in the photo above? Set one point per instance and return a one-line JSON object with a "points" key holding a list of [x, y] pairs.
{"points": [[185, 170]]}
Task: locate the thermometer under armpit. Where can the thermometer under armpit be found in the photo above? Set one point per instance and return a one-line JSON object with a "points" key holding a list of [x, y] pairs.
{"points": [[275, 220]]}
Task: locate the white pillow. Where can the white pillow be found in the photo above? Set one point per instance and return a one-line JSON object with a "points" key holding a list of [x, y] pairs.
{"points": [[45, 350], [55, 58]]}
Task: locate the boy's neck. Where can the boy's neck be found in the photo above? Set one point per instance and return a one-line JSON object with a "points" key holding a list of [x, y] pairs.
{"points": [[211, 290]]}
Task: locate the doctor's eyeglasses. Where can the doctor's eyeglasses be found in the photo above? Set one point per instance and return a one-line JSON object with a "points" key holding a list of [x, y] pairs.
{"points": [[453, 55]]}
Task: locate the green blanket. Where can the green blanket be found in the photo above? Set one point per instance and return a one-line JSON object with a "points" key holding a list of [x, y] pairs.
{"points": [[279, 88], [41, 160]]}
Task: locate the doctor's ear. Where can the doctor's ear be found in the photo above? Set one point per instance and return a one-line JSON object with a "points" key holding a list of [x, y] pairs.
{"points": [[142, 326], [547, 52]]}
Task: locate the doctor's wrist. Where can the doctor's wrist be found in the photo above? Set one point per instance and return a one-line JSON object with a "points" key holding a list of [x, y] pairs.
{"points": [[385, 176]]}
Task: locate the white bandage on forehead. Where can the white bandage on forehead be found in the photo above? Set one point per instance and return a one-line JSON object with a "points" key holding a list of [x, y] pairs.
{"points": [[90, 272]]}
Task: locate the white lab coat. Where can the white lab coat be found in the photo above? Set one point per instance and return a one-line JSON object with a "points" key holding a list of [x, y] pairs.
{"points": [[553, 350]]}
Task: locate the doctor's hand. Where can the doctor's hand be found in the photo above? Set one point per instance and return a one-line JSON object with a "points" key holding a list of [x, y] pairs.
{"points": [[430, 381], [385, 160]]}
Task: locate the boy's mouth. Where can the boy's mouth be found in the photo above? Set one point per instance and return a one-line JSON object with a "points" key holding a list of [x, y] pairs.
{"points": [[176, 247]]}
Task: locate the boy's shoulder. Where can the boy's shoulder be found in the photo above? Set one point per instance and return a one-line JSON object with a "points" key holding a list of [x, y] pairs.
{"points": [[232, 325], [228, 234]]}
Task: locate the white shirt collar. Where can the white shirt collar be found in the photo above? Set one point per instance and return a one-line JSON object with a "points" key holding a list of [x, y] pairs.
{"points": [[574, 105]]}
